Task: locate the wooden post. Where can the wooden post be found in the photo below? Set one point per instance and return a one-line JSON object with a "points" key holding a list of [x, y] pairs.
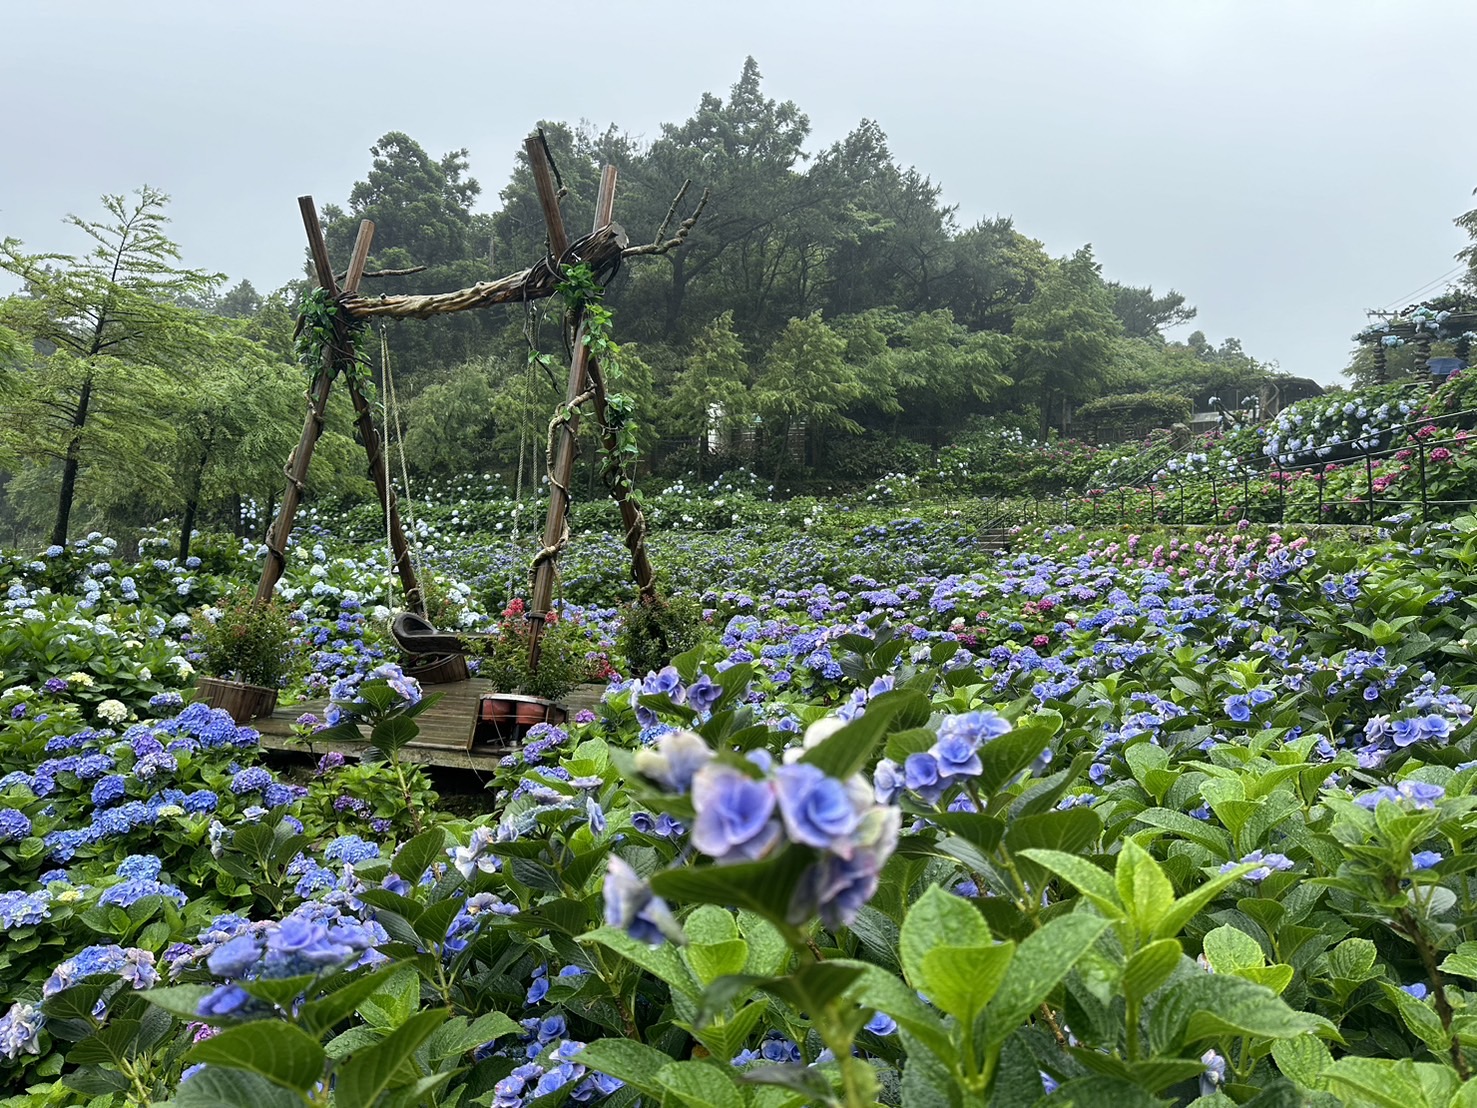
{"points": [[302, 454], [297, 467], [632, 521], [562, 461], [379, 470]]}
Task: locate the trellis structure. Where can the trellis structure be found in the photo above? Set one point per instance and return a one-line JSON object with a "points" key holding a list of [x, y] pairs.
{"points": [[601, 250], [1451, 319]]}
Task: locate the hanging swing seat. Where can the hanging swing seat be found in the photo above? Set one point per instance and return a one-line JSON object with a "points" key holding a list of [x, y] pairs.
{"points": [[416, 635]]}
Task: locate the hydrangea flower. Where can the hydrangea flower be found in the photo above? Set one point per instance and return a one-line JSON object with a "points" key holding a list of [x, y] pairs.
{"points": [[14, 825], [20, 1030], [632, 906], [735, 814]]}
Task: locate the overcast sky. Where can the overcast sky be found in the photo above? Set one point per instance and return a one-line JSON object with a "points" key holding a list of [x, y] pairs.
{"points": [[1285, 164]]}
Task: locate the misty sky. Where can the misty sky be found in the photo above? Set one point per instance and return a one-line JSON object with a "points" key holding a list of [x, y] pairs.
{"points": [[1286, 165]]}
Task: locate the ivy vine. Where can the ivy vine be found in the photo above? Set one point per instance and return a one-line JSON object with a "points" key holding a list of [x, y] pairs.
{"points": [[326, 326], [583, 296]]}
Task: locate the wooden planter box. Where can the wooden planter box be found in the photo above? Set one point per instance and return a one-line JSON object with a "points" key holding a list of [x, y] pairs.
{"points": [[505, 718], [442, 669], [244, 702]]}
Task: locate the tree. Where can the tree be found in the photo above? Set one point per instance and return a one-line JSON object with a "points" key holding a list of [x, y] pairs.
{"points": [[711, 392], [110, 329], [806, 380], [996, 271], [1064, 336], [1144, 315], [748, 253], [421, 208], [449, 424]]}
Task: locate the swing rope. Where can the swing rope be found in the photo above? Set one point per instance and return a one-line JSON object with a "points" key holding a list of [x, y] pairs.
{"points": [[518, 491], [394, 439]]}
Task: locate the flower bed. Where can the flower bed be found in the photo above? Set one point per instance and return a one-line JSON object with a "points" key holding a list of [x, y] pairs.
{"points": [[1111, 818]]}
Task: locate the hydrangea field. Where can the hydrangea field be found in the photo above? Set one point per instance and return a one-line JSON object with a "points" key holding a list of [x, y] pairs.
{"points": [[1113, 818]]}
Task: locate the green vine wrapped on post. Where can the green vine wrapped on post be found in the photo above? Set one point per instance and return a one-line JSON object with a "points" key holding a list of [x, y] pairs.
{"points": [[587, 317], [327, 327]]}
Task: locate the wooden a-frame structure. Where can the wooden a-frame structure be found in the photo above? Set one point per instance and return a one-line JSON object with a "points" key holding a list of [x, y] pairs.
{"points": [[602, 251]]}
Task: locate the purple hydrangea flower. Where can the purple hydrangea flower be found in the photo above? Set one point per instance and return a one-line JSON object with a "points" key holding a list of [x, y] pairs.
{"points": [[632, 906]]}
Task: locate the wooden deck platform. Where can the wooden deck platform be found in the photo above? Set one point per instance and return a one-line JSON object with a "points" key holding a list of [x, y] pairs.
{"points": [[445, 738]]}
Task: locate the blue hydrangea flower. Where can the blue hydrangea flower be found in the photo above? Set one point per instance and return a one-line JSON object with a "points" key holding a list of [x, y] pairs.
{"points": [[735, 814]]}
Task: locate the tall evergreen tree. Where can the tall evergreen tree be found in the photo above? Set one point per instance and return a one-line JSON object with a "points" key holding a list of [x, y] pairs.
{"points": [[109, 331], [711, 392], [1064, 336]]}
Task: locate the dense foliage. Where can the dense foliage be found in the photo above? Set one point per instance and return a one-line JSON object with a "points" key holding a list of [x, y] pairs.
{"points": [[1117, 817]]}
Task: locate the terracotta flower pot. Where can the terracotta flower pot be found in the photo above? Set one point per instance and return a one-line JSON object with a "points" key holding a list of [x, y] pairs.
{"points": [[507, 717], [244, 702]]}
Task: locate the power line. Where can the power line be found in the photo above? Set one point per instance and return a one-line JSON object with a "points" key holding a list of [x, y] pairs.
{"points": [[1408, 297]]}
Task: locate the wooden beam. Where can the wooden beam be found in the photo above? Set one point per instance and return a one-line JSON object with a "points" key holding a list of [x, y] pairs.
{"points": [[548, 195], [317, 247], [297, 466], [633, 522], [538, 282]]}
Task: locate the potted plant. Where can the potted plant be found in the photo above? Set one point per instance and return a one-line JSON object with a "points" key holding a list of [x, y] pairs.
{"points": [[247, 647], [525, 696]]}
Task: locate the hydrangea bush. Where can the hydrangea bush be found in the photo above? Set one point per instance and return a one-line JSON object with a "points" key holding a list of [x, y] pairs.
{"points": [[1118, 818]]}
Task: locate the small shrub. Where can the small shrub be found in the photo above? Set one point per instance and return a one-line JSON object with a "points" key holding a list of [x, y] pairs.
{"points": [[653, 633], [248, 641]]}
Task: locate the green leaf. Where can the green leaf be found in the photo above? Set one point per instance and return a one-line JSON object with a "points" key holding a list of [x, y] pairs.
{"points": [[938, 919], [1210, 1006], [1006, 756], [76, 1002], [1143, 889], [1463, 961], [699, 1085], [1040, 963], [393, 733], [851, 747], [1230, 950], [961, 980], [114, 1043], [1303, 1059], [370, 1070], [1093, 882], [179, 1000], [984, 832], [766, 887], [1381, 1081], [1206, 834], [813, 986], [1071, 831], [415, 857], [1353, 960], [284, 1054], [392, 1004], [710, 961], [317, 1016], [1184, 909], [214, 1087], [1149, 967], [281, 991], [876, 988], [95, 1081], [662, 962]]}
